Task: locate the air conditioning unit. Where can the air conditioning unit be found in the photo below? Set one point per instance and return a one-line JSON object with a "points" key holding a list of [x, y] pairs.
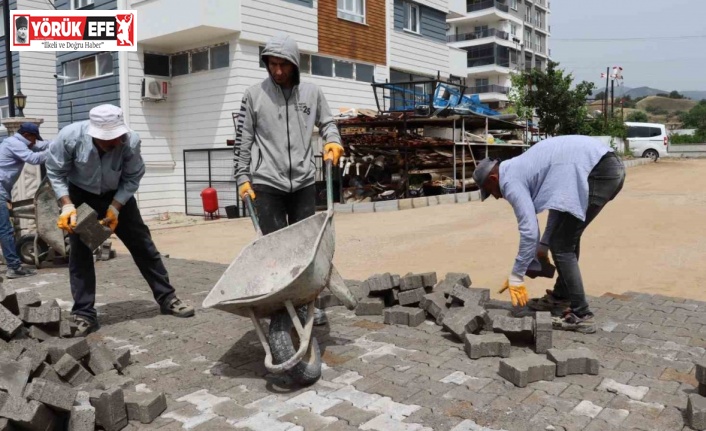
{"points": [[154, 89]]}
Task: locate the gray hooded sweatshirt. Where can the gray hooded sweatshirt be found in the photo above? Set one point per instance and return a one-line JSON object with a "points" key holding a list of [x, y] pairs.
{"points": [[273, 134]]}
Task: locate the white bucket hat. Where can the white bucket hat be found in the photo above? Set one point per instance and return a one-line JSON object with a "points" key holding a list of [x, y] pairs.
{"points": [[106, 122]]}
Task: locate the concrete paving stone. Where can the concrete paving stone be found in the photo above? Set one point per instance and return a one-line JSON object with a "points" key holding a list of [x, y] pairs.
{"points": [[27, 414], [587, 408], [575, 361], [353, 415], [311, 400], [613, 417], [411, 282], [384, 422], [360, 291], [57, 396], [557, 403], [264, 422], [700, 370], [678, 399], [520, 329], [144, 407], [44, 314], [553, 388], [432, 420], [462, 319], [307, 419], [111, 412], [380, 282], [479, 400], [327, 300], [668, 387], [446, 285], [9, 323], [400, 378], [543, 332], [14, 376], [341, 425], [100, 359], [702, 390], [78, 348], [484, 345], [71, 371], [429, 279], [47, 372], [39, 334], [411, 297], [649, 410], [370, 307], [430, 386], [396, 392], [435, 304], [619, 376], [395, 316], [359, 399], [463, 295], [633, 392], [527, 369], [696, 412], [637, 368]]}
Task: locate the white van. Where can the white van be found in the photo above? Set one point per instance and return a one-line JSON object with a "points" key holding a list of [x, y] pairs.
{"points": [[648, 140]]}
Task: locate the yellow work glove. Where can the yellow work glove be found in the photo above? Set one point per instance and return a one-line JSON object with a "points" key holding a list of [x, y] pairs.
{"points": [[333, 151], [67, 218], [518, 291], [246, 188], [111, 218]]}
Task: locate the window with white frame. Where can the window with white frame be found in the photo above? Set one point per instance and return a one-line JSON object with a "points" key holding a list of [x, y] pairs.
{"points": [[2, 21], [411, 17], [91, 67], [513, 4], [4, 112], [200, 60], [352, 10], [79, 4], [312, 64], [3, 87], [513, 29]]}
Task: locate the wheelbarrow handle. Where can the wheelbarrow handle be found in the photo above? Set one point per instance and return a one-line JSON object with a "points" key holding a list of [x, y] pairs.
{"points": [[253, 216], [329, 185]]}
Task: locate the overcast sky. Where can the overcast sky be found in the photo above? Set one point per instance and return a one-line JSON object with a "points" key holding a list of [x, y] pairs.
{"points": [[666, 64]]}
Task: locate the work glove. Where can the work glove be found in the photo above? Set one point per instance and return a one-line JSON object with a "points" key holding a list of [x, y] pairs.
{"points": [[67, 218], [111, 218], [518, 291], [246, 188], [333, 151]]}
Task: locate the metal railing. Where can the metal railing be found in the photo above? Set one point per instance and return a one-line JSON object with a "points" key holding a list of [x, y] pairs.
{"points": [[491, 32], [486, 61], [488, 4], [490, 88]]}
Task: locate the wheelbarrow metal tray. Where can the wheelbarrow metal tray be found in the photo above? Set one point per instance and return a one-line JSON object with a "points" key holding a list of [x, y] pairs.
{"points": [[292, 264]]}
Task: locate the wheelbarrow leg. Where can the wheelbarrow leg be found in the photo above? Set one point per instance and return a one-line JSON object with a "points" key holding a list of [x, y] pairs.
{"points": [[304, 337]]}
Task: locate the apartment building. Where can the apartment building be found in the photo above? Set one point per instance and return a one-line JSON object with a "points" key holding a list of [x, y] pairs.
{"points": [[194, 60], [499, 36]]}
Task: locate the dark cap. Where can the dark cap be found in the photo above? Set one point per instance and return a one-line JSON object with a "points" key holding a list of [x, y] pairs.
{"points": [[480, 174], [21, 21], [30, 128]]}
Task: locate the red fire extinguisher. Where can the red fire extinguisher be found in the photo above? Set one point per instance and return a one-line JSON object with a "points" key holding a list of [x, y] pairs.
{"points": [[209, 198]]}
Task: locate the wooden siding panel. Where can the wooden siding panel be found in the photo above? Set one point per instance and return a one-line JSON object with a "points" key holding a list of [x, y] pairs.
{"points": [[346, 39]]}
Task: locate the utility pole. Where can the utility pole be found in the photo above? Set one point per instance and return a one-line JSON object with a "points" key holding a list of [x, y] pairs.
{"points": [[8, 59], [605, 96], [612, 100]]}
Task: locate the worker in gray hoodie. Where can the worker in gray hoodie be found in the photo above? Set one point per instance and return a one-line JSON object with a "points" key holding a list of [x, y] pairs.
{"points": [[273, 154]]}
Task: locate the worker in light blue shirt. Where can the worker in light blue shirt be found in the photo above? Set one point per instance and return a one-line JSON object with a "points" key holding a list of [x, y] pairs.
{"points": [[98, 162], [25, 146], [573, 177]]}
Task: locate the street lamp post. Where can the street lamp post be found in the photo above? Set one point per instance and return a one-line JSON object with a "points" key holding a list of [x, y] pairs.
{"points": [[20, 101]]}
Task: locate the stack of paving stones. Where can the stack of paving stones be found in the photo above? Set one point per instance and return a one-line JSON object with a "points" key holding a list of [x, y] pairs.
{"points": [[51, 382], [696, 406], [524, 370]]}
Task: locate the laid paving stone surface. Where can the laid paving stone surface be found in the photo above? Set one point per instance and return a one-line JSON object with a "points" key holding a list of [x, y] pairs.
{"points": [[392, 377]]}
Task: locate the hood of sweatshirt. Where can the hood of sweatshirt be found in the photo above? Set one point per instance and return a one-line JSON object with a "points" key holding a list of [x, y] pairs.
{"points": [[282, 46]]}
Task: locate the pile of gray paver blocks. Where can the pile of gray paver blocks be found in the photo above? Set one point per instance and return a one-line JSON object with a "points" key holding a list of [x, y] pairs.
{"points": [[48, 382], [696, 406]]}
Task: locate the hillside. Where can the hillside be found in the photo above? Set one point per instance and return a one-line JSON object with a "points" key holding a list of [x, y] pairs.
{"points": [[664, 103], [638, 92], [695, 95]]}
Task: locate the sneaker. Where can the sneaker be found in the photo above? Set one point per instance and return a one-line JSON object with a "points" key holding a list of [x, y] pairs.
{"points": [[571, 322], [320, 318], [177, 308], [84, 326], [549, 303], [19, 272]]}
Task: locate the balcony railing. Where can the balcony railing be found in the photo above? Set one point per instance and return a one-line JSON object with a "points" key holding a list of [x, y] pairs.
{"points": [[491, 32], [481, 89], [475, 7], [487, 61]]}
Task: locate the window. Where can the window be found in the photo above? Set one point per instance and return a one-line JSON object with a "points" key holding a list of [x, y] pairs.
{"points": [[343, 69], [481, 82], [201, 60], [78, 4], [513, 4], [643, 132], [304, 63], [2, 22], [321, 66], [364, 72], [411, 17], [513, 29], [94, 66], [156, 64], [4, 112], [352, 10], [3, 87]]}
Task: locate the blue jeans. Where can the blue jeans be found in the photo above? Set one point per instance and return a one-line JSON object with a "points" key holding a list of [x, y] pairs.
{"points": [[604, 183], [7, 236]]}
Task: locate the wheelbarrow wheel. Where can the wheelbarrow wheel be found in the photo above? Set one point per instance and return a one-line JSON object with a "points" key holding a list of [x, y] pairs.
{"points": [[25, 249], [284, 343]]}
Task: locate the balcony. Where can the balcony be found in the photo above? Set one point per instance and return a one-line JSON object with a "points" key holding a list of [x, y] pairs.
{"points": [[167, 26], [492, 88], [492, 32], [488, 4], [505, 62]]}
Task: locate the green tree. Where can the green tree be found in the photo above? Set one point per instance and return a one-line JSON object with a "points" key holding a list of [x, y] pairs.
{"points": [[696, 117], [599, 96], [637, 117], [561, 109]]}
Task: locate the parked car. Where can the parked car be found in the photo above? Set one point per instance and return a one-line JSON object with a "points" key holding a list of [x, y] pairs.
{"points": [[649, 140]]}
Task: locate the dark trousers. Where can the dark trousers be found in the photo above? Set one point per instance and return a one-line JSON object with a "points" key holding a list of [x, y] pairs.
{"points": [[604, 183], [133, 232], [277, 209]]}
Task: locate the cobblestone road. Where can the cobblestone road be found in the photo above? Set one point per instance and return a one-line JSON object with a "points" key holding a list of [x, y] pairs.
{"points": [[382, 377]]}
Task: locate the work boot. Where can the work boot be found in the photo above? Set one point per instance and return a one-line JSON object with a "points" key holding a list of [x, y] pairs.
{"points": [[549, 302], [584, 324], [19, 272], [320, 317], [83, 326], [177, 308]]}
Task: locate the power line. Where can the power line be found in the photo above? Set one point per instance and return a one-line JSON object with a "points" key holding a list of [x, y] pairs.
{"points": [[624, 39]]}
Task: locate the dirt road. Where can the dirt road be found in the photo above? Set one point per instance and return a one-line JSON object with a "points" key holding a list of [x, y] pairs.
{"points": [[651, 239]]}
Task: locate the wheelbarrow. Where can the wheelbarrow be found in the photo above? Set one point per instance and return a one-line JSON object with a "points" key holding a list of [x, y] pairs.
{"points": [[35, 248], [277, 274]]}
